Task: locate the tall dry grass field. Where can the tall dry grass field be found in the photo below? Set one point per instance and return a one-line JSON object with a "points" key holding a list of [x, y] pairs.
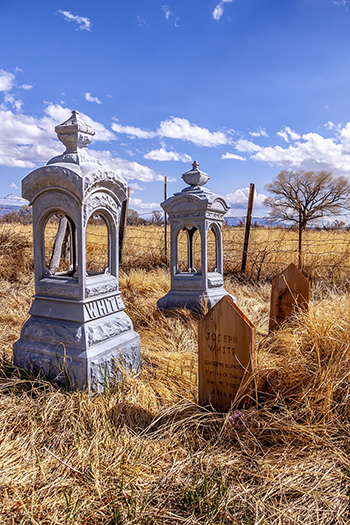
{"points": [[144, 452]]}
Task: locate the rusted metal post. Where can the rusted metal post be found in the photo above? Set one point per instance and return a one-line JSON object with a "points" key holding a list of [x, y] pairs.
{"points": [[247, 226], [165, 226], [122, 225], [300, 235]]}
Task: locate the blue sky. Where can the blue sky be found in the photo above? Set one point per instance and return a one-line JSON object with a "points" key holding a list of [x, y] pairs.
{"points": [[245, 87]]}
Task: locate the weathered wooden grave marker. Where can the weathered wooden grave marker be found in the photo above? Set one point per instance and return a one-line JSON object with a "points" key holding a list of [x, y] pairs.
{"points": [[290, 290], [226, 346]]}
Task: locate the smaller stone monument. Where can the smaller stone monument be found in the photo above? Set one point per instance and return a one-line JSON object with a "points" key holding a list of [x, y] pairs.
{"points": [[78, 332], [195, 213], [290, 291], [226, 355]]}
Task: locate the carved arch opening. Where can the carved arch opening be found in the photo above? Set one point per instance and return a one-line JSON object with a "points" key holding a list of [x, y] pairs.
{"points": [[97, 244], [60, 246], [189, 250], [212, 248]]}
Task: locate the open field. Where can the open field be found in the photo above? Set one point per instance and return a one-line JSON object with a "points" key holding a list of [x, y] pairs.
{"points": [[144, 452]]}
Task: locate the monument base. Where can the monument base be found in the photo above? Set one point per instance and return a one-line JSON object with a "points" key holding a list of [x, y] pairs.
{"points": [[192, 300], [79, 354]]}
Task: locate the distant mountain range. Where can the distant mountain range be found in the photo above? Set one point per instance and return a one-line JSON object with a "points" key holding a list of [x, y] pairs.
{"points": [[8, 208], [260, 221]]}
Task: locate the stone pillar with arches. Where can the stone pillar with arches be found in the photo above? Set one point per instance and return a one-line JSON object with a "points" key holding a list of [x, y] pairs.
{"points": [[196, 216], [78, 332]]}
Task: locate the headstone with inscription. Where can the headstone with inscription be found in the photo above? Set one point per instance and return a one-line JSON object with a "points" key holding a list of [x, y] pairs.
{"points": [[226, 355], [78, 331], [290, 291], [196, 216]]}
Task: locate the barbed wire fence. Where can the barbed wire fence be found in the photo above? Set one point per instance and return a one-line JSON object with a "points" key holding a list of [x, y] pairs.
{"points": [[325, 251]]}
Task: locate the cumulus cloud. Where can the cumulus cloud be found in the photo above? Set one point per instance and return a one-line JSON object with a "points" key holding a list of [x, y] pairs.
{"points": [[232, 156], [219, 9], [133, 132], [27, 87], [134, 186], [260, 132], [239, 198], [27, 141], [84, 23], [164, 155], [90, 98], [247, 146], [288, 134], [7, 80], [138, 203], [126, 168], [311, 151], [14, 186], [177, 128]]}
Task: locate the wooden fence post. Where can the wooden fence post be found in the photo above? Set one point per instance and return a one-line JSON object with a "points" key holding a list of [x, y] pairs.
{"points": [[247, 226], [122, 225], [61, 236]]}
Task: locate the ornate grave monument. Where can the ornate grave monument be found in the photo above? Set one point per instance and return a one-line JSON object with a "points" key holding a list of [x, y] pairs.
{"points": [[196, 216], [78, 331]]}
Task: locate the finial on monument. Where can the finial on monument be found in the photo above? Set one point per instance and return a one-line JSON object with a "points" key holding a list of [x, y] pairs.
{"points": [[74, 133], [195, 177]]}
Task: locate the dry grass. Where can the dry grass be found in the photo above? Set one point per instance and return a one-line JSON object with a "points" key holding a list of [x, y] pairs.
{"points": [[144, 452]]}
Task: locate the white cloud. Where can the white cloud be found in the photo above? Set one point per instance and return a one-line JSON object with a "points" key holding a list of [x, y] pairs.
{"points": [[169, 15], [288, 134], [138, 203], [232, 156], [127, 168], [219, 9], [182, 129], [141, 22], [164, 155], [135, 187], [7, 80], [239, 198], [260, 132], [83, 22], [247, 146], [134, 132], [177, 128], [26, 140], [27, 87], [14, 186], [90, 98]]}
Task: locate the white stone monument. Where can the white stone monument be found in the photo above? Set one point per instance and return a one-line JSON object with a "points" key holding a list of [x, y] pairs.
{"points": [[198, 212], [78, 332]]}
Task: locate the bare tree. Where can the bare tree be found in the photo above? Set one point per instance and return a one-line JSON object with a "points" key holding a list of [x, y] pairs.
{"points": [[315, 194]]}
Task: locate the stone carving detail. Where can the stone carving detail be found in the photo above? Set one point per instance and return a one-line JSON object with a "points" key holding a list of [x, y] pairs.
{"points": [[98, 289], [59, 290], [104, 175], [214, 282], [100, 200], [51, 331], [49, 177], [102, 330]]}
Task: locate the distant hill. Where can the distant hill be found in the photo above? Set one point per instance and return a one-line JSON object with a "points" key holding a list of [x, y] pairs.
{"points": [[260, 221]]}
